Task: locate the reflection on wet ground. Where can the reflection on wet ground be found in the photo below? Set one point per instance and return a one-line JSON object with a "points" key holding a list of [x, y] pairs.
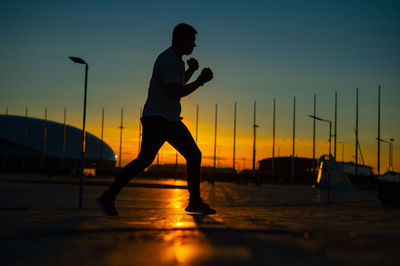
{"points": [[279, 225]]}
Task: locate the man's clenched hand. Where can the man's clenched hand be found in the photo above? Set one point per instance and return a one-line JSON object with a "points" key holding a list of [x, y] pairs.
{"points": [[193, 64], [205, 76]]}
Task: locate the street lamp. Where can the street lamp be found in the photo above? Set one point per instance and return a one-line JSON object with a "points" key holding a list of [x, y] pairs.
{"points": [[81, 61], [329, 162], [330, 129]]}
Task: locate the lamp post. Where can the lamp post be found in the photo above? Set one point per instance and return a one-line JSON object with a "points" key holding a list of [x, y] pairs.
{"points": [[81, 61], [330, 129], [329, 162]]}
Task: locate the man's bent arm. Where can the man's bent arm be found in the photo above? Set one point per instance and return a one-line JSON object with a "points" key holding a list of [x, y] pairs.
{"points": [[180, 90], [188, 74]]}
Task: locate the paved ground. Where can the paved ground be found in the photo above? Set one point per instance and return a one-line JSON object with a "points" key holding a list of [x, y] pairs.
{"points": [[264, 225]]}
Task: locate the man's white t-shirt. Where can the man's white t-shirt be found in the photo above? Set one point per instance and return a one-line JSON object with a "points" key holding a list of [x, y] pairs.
{"points": [[168, 68]]}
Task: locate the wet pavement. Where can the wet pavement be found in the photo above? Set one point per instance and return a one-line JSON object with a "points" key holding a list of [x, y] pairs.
{"points": [[254, 225]]}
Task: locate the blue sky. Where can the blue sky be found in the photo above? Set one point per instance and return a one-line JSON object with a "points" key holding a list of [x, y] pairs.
{"points": [[258, 50]]}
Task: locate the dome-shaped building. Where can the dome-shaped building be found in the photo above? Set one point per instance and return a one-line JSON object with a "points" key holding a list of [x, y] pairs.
{"points": [[34, 144]]}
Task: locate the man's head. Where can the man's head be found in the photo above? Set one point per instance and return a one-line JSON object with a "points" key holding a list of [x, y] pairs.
{"points": [[183, 38]]}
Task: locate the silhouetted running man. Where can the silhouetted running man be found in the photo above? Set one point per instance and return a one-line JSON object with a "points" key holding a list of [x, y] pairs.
{"points": [[162, 122]]}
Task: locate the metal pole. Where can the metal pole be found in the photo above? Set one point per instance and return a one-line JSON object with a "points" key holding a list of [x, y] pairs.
{"points": [[83, 139], [254, 138], [234, 137], [335, 134], [330, 137], [379, 130], [356, 161], [294, 137], [391, 154], [313, 150], [215, 136], [273, 143], [197, 121], [330, 163], [390, 151], [120, 136]]}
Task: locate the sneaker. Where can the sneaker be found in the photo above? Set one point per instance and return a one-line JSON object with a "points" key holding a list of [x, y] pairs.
{"points": [[106, 203], [199, 206]]}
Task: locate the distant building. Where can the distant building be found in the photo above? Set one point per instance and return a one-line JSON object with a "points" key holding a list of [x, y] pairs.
{"points": [[350, 169], [303, 170], [32, 144]]}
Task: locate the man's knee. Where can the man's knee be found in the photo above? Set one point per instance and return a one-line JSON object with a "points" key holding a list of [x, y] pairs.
{"points": [[145, 159]]}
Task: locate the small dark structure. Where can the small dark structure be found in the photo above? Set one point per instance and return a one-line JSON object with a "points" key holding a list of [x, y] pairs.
{"points": [[303, 170]]}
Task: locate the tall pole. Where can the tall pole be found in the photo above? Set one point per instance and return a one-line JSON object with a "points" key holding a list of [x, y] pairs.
{"points": [[335, 134], [234, 137], [356, 162], [390, 152], [81, 61], [330, 163], [273, 143], [140, 129], [313, 149], [330, 137], [215, 136], [197, 121], [64, 140], [83, 139], [379, 130], [120, 136], [294, 137], [254, 138]]}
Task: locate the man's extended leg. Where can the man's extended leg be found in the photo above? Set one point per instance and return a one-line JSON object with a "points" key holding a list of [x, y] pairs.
{"points": [[153, 139], [183, 141]]}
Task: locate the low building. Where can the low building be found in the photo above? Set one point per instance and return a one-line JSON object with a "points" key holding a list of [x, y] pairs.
{"points": [[279, 170], [350, 169]]}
